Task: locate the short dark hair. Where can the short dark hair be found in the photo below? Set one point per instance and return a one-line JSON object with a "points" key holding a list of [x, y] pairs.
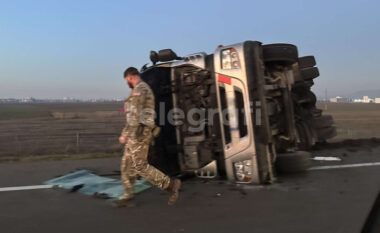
{"points": [[131, 71]]}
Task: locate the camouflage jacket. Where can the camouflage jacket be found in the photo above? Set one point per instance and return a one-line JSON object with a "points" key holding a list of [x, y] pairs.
{"points": [[139, 109]]}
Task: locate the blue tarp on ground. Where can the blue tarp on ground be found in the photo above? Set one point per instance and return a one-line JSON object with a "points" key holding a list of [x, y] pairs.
{"points": [[95, 184]]}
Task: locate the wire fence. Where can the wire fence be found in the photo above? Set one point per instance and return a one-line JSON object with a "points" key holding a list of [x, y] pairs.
{"points": [[72, 143]]}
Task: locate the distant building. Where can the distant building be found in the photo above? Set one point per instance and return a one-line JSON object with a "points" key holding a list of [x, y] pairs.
{"points": [[28, 100], [339, 99], [334, 100], [365, 99], [377, 100]]}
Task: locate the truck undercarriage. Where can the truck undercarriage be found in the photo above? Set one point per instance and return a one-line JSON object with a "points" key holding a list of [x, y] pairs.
{"points": [[244, 112]]}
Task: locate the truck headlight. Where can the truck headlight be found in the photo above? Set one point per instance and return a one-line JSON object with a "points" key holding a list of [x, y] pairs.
{"points": [[243, 170], [230, 59]]}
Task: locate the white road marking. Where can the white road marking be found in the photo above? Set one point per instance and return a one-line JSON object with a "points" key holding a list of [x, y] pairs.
{"points": [[319, 158], [31, 187], [345, 166]]}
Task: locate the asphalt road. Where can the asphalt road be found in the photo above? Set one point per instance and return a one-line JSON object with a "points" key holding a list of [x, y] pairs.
{"points": [[336, 200]]}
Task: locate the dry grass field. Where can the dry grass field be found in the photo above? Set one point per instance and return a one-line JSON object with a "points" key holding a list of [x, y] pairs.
{"points": [[62, 128], [80, 129], [354, 120]]}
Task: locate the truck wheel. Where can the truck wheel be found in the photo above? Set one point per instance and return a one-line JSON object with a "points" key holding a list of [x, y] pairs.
{"points": [[309, 83], [298, 161], [311, 99], [305, 97], [322, 121], [306, 62], [309, 73], [283, 53], [316, 112], [326, 133]]}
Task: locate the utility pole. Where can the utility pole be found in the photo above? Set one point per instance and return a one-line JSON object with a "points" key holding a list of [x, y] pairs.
{"points": [[326, 99]]}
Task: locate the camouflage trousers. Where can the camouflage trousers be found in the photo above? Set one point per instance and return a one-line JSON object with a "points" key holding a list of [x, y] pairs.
{"points": [[135, 162]]}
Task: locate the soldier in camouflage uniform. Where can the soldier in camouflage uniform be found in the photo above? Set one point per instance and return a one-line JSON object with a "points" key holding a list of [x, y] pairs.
{"points": [[137, 136]]}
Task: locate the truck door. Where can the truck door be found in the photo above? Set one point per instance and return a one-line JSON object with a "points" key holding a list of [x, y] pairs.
{"points": [[237, 133]]}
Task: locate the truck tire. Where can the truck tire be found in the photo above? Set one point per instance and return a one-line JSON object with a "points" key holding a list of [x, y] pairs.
{"points": [[298, 161], [326, 133], [306, 62], [282, 53], [322, 121], [309, 73], [315, 112], [309, 83], [305, 97], [312, 99]]}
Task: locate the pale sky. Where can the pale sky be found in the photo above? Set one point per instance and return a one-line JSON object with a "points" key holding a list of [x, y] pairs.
{"points": [[52, 49]]}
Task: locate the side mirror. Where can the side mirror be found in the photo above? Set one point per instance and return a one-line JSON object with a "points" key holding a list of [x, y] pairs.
{"points": [[154, 57]]}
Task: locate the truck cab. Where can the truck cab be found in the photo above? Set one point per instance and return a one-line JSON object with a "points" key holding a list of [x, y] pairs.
{"points": [[243, 112]]}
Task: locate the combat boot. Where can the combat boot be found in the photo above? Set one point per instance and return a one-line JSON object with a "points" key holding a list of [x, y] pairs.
{"points": [[123, 203], [174, 186]]}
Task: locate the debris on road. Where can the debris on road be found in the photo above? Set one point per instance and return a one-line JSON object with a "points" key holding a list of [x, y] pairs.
{"points": [[90, 184]]}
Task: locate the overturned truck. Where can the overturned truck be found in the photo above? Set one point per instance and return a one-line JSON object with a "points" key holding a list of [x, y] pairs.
{"points": [[244, 112]]}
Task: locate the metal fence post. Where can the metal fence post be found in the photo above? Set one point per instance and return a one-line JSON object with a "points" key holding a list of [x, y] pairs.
{"points": [[77, 142]]}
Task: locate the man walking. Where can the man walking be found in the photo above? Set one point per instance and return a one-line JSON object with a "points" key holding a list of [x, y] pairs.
{"points": [[137, 136]]}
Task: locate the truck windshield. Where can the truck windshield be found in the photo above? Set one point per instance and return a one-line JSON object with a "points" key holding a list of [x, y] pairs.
{"points": [[239, 103], [225, 114]]}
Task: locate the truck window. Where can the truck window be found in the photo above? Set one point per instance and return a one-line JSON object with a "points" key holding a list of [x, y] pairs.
{"points": [[225, 114], [239, 103]]}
